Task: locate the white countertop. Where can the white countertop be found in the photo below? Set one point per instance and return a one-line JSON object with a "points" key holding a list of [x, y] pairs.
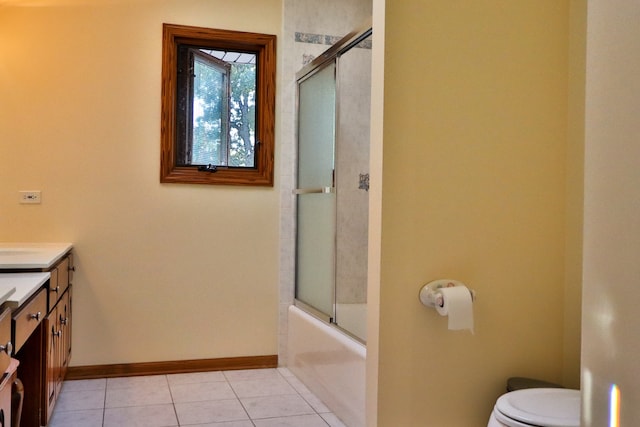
{"points": [[6, 290], [25, 284], [31, 255]]}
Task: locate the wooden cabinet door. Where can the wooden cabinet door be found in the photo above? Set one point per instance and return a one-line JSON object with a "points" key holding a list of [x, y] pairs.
{"points": [[66, 317], [52, 361], [64, 324]]}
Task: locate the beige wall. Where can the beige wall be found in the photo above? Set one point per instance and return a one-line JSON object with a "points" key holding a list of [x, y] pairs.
{"points": [[165, 272], [575, 194], [474, 188]]}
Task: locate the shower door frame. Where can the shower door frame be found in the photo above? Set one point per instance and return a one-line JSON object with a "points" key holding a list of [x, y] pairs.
{"points": [[328, 57]]}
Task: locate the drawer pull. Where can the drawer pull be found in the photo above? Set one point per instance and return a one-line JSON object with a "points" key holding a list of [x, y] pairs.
{"points": [[56, 333], [56, 289], [73, 268], [35, 316], [63, 320], [8, 348]]}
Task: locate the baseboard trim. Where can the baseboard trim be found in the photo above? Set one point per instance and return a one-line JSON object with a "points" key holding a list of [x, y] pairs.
{"points": [[171, 367]]}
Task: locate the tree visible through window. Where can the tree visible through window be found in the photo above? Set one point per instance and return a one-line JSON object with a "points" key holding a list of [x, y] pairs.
{"points": [[223, 106]]}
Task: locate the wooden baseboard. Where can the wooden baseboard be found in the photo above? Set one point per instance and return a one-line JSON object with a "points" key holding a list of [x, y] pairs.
{"points": [[173, 367]]}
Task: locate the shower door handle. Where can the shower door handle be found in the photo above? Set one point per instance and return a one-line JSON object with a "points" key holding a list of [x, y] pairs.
{"points": [[321, 190]]}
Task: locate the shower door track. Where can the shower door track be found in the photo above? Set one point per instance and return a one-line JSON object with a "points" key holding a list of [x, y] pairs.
{"points": [[336, 49], [313, 311]]}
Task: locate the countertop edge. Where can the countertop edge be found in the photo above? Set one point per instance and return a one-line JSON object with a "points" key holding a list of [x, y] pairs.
{"points": [[5, 292], [56, 250]]}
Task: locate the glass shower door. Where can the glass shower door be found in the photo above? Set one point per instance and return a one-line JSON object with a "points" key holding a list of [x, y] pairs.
{"points": [[315, 192], [353, 81]]}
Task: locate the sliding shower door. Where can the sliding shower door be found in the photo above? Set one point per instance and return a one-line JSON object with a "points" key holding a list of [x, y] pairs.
{"points": [[316, 199], [353, 77], [333, 183]]}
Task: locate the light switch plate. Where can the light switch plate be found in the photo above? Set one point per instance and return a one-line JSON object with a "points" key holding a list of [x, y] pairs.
{"points": [[31, 197]]}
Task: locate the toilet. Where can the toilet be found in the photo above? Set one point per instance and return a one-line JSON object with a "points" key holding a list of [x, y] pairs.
{"points": [[539, 407]]}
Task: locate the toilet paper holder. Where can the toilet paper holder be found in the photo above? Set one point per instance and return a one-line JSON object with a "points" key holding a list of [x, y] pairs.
{"points": [[430, 297]]}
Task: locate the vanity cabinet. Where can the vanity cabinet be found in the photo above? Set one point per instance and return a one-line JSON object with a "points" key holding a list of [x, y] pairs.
{"points": [[42, 335]]}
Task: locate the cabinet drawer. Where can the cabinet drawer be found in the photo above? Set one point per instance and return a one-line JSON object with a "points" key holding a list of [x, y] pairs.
{"points": [[59, 281], [28, 317], [6, 347]]}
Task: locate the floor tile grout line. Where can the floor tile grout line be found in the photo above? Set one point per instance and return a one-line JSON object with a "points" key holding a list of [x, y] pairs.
{"points": [[173, 403], [238, 398], [310, 393], [104, 403]]}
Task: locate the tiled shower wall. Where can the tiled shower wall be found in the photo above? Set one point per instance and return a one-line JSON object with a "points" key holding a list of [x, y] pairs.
{"points": [[308, 26]]}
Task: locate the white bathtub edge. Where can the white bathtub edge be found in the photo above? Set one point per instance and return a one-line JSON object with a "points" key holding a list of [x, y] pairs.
{"points": [[331, 364]]}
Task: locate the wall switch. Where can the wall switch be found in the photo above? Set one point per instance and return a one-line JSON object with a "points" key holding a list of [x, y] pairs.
{"points": [[32, 197]]}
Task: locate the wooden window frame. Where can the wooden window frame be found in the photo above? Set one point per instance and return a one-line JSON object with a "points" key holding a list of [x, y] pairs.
{"points": [[264, 46]]}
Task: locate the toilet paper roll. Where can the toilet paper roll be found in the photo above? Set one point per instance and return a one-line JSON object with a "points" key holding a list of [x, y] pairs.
{"points": [[458, 305]]}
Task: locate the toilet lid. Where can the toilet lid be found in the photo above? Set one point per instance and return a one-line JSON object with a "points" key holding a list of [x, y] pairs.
{"points": [[548, 407]]}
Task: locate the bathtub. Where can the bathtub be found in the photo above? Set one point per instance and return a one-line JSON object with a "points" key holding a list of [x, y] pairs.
{"points": [[330, 363]]}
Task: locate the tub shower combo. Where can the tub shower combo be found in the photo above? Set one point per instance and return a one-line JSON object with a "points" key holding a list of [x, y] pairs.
{"points": [[327, 324]]}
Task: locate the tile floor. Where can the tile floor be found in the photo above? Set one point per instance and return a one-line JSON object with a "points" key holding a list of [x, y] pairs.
{"points": [[244, 398]]}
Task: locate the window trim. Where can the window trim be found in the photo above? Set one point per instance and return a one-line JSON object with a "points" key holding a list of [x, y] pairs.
{"points": [[264, 46]]}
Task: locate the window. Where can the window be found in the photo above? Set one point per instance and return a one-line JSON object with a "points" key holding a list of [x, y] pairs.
{"points": [[218, 106]]}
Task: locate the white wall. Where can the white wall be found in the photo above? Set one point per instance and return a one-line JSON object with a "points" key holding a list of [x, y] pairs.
{"points": [[165, 272], [611, 293]]}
